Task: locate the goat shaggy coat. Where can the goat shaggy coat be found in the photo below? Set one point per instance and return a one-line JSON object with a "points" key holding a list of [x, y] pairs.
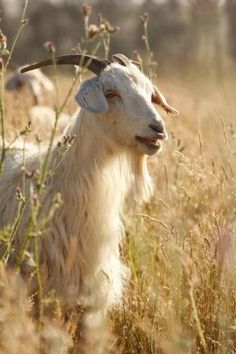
{"points": [[79, 247]]}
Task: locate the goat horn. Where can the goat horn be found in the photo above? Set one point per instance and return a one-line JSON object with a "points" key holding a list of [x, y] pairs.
{"points": [[93, 63], [158, 98], [121, 59]]}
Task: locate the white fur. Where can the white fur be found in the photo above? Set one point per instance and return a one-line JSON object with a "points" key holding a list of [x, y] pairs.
{"points": [[34, 80], [42, 117], [79, 249]]}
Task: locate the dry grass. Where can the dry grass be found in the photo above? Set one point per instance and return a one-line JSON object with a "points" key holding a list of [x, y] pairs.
{"points": [[180, 247]]}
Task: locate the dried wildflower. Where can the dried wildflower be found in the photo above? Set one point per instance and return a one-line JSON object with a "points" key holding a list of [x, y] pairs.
{"points": [[27, 129], [67, 140], [19, 195], [25, 171], [38, 139], [3, 41], [113, 29], [59, 144], [29, 126], [25, 21], [137, 57], [30, 174], [57, 201], [78, 48], [72, 138], [23, 168], [36, 173], [35, 199], [86, 9], [106, 26], [50, 47], [144, 18], [93, 30], [102, 28], [1, 63]]}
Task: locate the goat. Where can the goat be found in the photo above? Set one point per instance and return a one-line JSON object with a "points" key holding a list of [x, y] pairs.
{"points": [[116, 128], [35, 81], [42, 117]]}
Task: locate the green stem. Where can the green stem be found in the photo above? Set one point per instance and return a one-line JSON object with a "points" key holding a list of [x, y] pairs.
{"points": [[196, 318], [146, 40], [23, 22], [7, 252], [3, 148], [106, 44], [38, 276], [3, 70], [24, 245], [53, 133]]}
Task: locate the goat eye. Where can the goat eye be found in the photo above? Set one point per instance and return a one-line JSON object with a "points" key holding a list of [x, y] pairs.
{"points": [[111, 94]]}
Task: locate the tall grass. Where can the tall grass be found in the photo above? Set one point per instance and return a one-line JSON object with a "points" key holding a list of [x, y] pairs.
{"points": [[180, 247]]}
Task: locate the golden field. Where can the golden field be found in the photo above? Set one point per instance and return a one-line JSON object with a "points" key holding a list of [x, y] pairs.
{"points": [[180, 247]]}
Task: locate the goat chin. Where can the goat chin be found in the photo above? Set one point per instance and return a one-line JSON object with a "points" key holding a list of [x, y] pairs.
{"points": [[79, 248]]}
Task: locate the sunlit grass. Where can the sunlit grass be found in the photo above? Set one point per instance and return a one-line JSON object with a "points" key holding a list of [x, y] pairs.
{"points": [[179, 247]]}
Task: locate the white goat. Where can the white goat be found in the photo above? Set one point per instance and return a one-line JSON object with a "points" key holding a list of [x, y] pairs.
{"points": [[35, 81], [42, 117], [115, 129]]}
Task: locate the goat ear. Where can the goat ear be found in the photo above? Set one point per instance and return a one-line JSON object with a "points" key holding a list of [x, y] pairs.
{"points": [[159, 98], [91, 96]]}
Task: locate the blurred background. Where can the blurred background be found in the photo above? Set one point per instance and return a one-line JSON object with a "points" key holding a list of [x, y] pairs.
{"points": [[183, 33], [180, 247]]}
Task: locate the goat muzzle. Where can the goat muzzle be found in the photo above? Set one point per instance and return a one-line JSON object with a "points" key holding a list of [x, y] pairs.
{"points": [[159, 130]]}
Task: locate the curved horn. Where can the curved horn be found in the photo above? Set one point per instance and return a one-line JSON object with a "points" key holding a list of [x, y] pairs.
{"points": [[94, 64], [158, 98], [121, 59]]}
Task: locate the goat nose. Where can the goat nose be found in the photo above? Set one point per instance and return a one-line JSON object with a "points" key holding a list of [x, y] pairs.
{"points": [[159, 128]]}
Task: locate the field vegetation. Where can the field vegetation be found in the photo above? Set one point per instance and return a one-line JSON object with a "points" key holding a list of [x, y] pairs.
{"points": [[180, 247]]}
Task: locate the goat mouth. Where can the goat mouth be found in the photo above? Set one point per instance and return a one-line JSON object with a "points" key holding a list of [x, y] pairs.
{"points": [[150, 142], [159, 135]]}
